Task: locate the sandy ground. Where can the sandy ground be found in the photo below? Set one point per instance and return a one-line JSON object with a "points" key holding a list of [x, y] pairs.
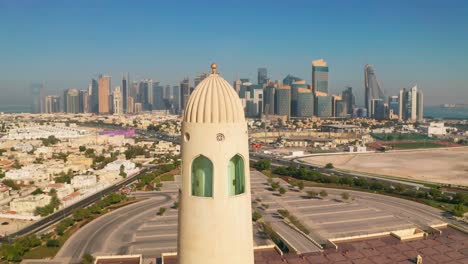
{"points": [[13, 225], [448, 166]]}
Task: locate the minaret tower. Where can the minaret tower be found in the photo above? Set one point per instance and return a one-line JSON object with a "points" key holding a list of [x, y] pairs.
{"points": [[215, 218]]}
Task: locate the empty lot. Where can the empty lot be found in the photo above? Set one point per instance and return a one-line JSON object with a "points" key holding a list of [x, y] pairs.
{"points": [[449, 166]]}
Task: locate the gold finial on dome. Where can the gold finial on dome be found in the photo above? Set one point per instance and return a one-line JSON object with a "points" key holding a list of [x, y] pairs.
{"points": [[213, 68]]}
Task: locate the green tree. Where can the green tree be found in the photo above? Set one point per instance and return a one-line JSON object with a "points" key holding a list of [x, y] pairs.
{"points": [[37, 191], [300, 184], [312, 194], [329, 166], [345, 196], [10, 183], [52, 243], [275, 185], [263, 164], [162, 210], [323, 193], [87, 259], [256, 216], [82, 148], [459, 210], [282, 190]]}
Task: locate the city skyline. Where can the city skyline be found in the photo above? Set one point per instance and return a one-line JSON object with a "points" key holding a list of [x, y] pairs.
{"points": [[74, 51]]}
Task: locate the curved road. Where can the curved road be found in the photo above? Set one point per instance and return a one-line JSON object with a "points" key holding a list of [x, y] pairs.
{"points": [[96, 236]]}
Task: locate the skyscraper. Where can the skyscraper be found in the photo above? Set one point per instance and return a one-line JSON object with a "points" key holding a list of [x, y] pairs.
{"points": [[305, 103], [349, 100], [184, 94], [283, 101], [37, 92], [118, 101], [269, 99], [411, 104], [158, 97], [323, 104], [125, 88], [200, 78], [262, 76], [52, 104], [83, 101], [104, 86], [394, 105], [176, 99], [320, 76], [215, 224], [295, 87], [72, 101], [372, 88], [94, 97]]}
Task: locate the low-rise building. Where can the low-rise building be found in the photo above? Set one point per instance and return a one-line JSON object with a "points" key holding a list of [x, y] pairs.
{"points": [[62, 189], [83, 181], [27, 205]]}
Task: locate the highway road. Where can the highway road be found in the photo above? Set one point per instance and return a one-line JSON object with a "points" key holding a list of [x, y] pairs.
{"points": [[104, 235]]}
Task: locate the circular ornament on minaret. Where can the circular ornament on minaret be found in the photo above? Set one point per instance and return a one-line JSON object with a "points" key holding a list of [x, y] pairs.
{"points": [[220, 137]]}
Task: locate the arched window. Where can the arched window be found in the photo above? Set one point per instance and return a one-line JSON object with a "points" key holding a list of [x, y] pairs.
{"points": [[202, 177], [236, 175]]}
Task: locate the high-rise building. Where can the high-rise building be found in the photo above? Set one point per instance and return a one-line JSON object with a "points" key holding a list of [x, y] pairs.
{"points": [[130, 105], [104, 86], [52, 104], [83, 101], [283, 101], [138, 108], [168, 92], [411, 104], [394, 104], [37, 93], [94, 97], [158, 97], [254, 103], [289, 79], [378, 109], [262, 76], [146, 94], [215, 191], [237, 86], [200, 78], [176, 99], [295, 87], [184, 94], [372, 88], [323, 104], [125, 88], [269, 99], [320, 76], [305, 103], [72, 101], [349, 100], [341, 109], [118, 101]]}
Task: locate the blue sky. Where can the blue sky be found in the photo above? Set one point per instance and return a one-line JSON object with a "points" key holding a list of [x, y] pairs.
{"points": [[66, 43]]}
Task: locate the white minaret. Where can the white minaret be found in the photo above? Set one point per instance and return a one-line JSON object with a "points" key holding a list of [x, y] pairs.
{"points": [[215, 219]]}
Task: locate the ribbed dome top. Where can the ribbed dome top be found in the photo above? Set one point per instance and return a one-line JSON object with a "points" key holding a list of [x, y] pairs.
{"points": [[214, 101]]}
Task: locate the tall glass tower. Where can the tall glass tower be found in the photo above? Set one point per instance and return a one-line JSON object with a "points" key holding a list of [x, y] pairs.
{"points": [[371, 86], [320, 76]]}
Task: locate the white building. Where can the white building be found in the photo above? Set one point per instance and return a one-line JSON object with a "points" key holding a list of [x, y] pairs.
{"points": [[27, 205], [33, 172], [61, 189], [215, 224], [435, 129], [129, 166], [83, 181]]}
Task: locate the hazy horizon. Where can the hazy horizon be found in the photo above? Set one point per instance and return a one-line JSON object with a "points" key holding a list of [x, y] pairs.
{"points": [[65, 44]]}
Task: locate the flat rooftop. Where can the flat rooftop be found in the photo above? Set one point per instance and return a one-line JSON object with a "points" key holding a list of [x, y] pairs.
{"points": [[449, 247]]}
